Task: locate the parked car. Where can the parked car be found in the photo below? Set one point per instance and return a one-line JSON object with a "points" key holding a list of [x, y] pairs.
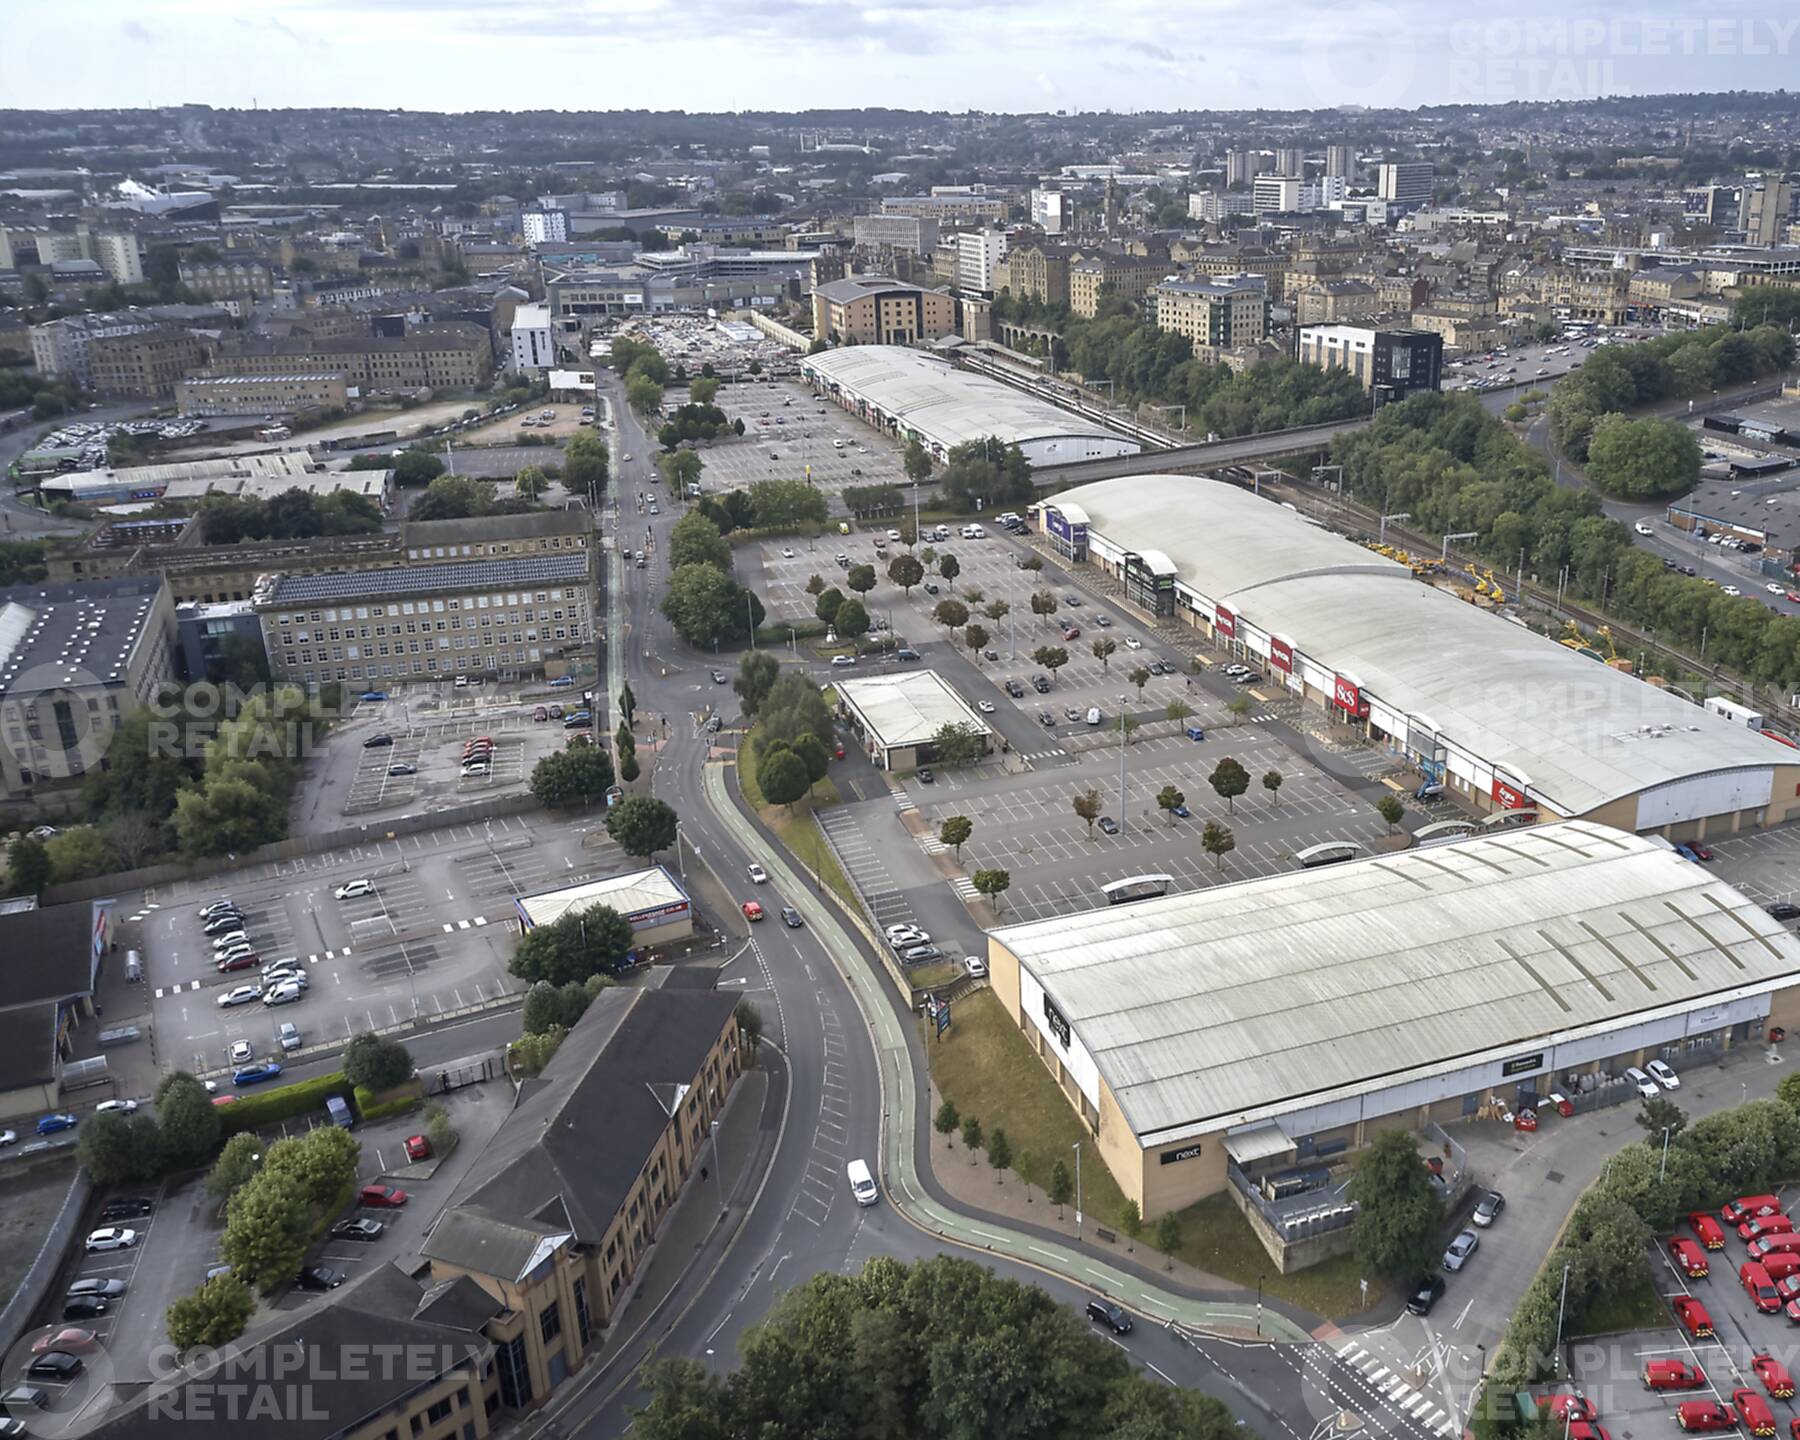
{"points": [[1692, 1316], [418, 1148], [1672, 1375], [1104, 1312], [54, 1365], [1570, 1407], [1707, 1230], [1426, 1294], [288, 1036], [111, 1237], [1783, 910], [1488, 1209], [1108, 825], [1646, 1087], [1689, 1258], [240, 995], [1759, 1287], [1753, 1411], [1747, 1207], [1461, 1248], [1764, 1226], [127, 1207], [318, 1277], [357, 1230], [238, 960], [376, 742], [974, 966], [50, 1124], [256, 1074], [403, 769], [285, 993], [919, 954], [1663, 1075], [1774, 1376], [381, 1197], [123, 1107], [1704, 1415], [98, 1289], [69, 1342], [85, 1307]]}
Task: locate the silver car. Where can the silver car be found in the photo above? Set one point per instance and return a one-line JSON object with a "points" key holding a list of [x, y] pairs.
{"points": [[1461, 1248]]}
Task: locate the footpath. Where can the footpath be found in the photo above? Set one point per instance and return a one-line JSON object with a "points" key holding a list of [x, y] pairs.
{"points": [[901, 1138]]}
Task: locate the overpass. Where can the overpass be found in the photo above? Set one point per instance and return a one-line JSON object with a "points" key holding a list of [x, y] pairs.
{"points": [[1270, 445]]}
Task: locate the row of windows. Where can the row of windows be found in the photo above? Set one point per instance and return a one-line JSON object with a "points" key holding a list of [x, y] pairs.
{"points": [[494, 660], [440, 552], [510, 598], [415, 627], [293, 657]]}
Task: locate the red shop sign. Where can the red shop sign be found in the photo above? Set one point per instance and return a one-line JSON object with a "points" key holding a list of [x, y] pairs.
{"points": [[1226, 624], [1281, 655], [1506, 797], [1345, 695]]}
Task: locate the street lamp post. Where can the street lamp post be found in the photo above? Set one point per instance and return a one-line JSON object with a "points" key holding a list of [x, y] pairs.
{"points": [[1259, 1288], [1077, 1149], [1122, 821], [1662, 1172], [718, 1167], [1561, 1308]]}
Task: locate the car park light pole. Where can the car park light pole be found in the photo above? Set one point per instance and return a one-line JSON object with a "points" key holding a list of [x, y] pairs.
{"points": [[1123, 736], [1077, 1149], [1561, 1306]]}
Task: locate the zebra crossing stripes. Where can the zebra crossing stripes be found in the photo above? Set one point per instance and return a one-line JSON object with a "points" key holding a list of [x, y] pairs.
{"points": [[1410, 1402], [904, 802], [964, 887]]}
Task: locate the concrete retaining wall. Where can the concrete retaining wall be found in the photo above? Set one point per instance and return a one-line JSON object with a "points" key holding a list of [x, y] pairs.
{"points": [[35, 1287]]}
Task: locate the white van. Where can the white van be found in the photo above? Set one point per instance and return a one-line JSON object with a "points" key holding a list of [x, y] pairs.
{"points": [[862, 1183], [973, 532], [837, 444]]}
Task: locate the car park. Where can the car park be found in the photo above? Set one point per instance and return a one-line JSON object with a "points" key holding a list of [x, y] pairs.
{"points": [[1488, 1209], [1689, 1258], [1461, 1248], [1104, 1312]]}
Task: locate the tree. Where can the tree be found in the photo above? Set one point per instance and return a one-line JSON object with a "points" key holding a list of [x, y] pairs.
{"points": [[213, 1315], [951, 614], [976, 638], [237, 1162], [1129, 725], [1032, 564], [750, 1027], [999, 1153], [852, 620], [557, 1007], [704, 390], [1239, 706], [1026, 1168], [1217, 841], [1656, 1115], [452, 497], [971, 1136], [787, 505], [993, 884], [415, 467], [916, 462], [814, 756], [756, 675], [1139, 677], [27, 865], [319, 1166], [628, 766], [641, 825], [792, 708], [1052, 658], [906, 572], [78, 853], [997, 610], [187, 1118], [861, 578], [531, 482], [1043, 603], [1389, 808], [643, 394], [1168, 798], [947, 1120], [1131, 1221], [1642, 459], [695, 540], [627, 702], [585, 464], [1087, 806], [815, 585], [1168, 1236], [707, 607], [1397, 1227], [1230, 780], [955, 832], [828, 603], [571, 777], [781, 776], [1104, 649], [680, 469], [115, 1146], [1177, 710], [376, 1063], [956, 742], [266, 1235], [1272, 783], [576, 946], [949, 567], [1062, 1188]]}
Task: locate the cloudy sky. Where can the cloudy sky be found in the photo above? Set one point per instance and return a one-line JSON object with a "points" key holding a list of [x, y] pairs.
{"points": [[928, 54]]}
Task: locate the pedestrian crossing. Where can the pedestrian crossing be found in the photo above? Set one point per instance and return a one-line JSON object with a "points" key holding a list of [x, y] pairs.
{"points": [[965, 888], [904, 802], [931, 845], [1419, 1407]]}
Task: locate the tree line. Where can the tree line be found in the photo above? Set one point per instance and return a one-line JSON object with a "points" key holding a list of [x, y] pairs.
{"points": [[292, 515]]}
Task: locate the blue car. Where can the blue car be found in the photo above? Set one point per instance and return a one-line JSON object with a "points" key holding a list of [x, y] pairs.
{"points": [[50, 1124], [374, 695], [255, 1074], [563, 682], [1181, 812]]}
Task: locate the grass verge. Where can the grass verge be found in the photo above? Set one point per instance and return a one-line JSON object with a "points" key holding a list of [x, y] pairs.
{"points": [[1217, 1238], [796, 830], [1639, 1308]]}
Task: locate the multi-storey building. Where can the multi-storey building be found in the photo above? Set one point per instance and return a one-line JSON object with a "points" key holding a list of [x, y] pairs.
{"points": [[1766, 209], [1585, 291], [75, 661], [1340, 161], [1214, 205], [1052, 211], [1039, 270], [545, 227], [879, 310], [1405, 182], [532, 348], [1328, 302], [1214, 314], [980, 254], [969, 207], [1290, 160], [117, 253], [917, 233], [274, 395], [457, 356], [528, 616], [1243, 166], [229, 279], [1276, 194], [61, 348], [1128, 276], [1389, 364], [143, 364]]}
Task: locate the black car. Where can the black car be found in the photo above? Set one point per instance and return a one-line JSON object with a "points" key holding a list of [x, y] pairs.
{"points": [[1425, 1294], [1104, 1312], [1041, 684], [790, 917], [375, 742], [357, 1230], [927, 778], [128, 1207], [54, 1365], [85, 1307], [1046, 719], [318, 1277], [1783, 910], [1015, 689]]}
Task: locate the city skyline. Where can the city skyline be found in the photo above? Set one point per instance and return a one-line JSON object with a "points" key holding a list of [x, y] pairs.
{"points": [[708, 56]]}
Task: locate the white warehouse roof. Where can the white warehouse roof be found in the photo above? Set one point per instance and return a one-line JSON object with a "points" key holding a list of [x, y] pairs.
{"points": [[1211, 1008], [947, 406], [908, 708], [638, 893], [1579, 734]]}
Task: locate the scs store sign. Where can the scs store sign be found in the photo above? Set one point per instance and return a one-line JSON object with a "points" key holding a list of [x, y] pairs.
{"points": [[1226, 623], [1347, 696]]}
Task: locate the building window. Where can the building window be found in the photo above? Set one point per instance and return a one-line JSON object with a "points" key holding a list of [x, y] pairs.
{"points": [[584, 1325], [515, 1374], [550, 1321]]}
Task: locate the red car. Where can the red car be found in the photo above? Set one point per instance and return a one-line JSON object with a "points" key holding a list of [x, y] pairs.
{"points": [[1071, 632], [381, 1197], [753, 910], [1692, 1315], [1581, 1430], [1763, 1225], [1707, 1230], [1774, 1376], [1689, 1258], [1574, 1407], [1780, 1263], [1759, 1287], [1746, 1207], [1704, 1415], [70, 1342], [1672, 1375], [418, 1148], [1754, 1411], [1771, 1244], [240, 962]]}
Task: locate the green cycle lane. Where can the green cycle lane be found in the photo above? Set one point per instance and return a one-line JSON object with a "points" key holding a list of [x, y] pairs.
{"points": [[900, 1102]]}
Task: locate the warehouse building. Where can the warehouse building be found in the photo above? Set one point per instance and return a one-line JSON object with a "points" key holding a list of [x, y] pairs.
{"points": [[911, 395], [1505, 719], [897, 717], [1211, 1038], [651, 901]]}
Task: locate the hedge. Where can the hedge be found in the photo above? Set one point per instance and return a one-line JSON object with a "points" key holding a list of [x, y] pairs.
{"points": [[250, 1112], [776, 633], [371, 1109]]}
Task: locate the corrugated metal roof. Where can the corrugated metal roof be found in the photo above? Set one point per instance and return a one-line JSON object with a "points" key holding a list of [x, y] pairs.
{"points": [[1581, 734], [630, 894], [1206, 1006], [908, 708]]}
